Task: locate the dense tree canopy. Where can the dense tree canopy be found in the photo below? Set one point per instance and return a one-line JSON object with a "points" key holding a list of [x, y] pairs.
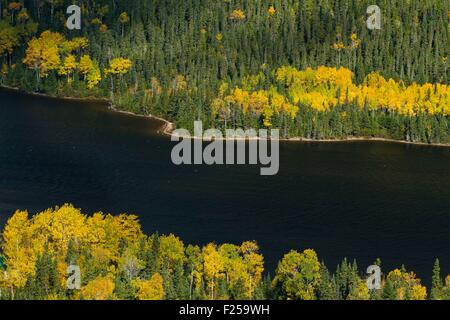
{"points": [[118, 261], [174, 59]]}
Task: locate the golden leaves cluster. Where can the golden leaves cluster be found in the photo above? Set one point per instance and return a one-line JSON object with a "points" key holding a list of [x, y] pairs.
{"points": [[324, 88]]}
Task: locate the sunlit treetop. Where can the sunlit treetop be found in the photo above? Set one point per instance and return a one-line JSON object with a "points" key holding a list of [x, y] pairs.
{"points": [[124, 17], [118, 66], [23, 15], [15, 6], [325, 88], [237, 15], [271, 11]]}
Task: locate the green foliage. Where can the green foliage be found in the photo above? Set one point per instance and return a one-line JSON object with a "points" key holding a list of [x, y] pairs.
{"points": [[181, 53], [118, 261], [436, 282]]}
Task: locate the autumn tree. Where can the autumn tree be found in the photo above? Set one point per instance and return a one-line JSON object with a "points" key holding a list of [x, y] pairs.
{"points": [[13, 8], [118, 261], [43, 55], [254, 263], [90, 71], [237, 15], [9, 40], [298, 275], [117, 67], [101, 288], [124, 19], [68, 67], [152, 289], [213, 268], [130, 264], [18, 252], [403, 285]]}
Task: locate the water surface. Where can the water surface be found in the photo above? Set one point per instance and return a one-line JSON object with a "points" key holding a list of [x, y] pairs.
{"points": [[358, 200]]}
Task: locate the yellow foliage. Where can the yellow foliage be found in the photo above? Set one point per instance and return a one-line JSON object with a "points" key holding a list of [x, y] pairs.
{"points": [[361, 292], [68, 66], [419, 292], [90, 71], [152, 289], [213, 267], [338, 46], [254, 266], [86, 65], [43, 53], [54, 230], [9, 38], [103, 28], [126, 227], [171, 252], [298, 275], [74, 44], [118, 66], [262, 102], [237, 15], [51, 38], [15, 6], [96, 21], [355, 41], [406, 285], [325, 88], [180, 83], [4, 70], [243, 265], [93, 77], [124, 17], [271, 11], [101, 288], [17, 248], [23, 15]]}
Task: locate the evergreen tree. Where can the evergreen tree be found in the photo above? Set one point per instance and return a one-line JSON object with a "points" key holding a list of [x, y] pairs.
{"points": [[436, 282]]}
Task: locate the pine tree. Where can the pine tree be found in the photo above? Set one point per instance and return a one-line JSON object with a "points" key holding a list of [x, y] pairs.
{"points": [[436, 282], [327, 287]]}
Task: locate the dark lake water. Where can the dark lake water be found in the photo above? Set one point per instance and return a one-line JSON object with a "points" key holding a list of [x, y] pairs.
{"points": [[357, 200]]}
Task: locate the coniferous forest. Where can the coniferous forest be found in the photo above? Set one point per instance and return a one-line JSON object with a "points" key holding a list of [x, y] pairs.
{"points": [[310, 68]]}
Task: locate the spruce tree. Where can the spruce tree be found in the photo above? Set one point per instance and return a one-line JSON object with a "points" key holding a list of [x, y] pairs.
{"points": [[436, 282]]}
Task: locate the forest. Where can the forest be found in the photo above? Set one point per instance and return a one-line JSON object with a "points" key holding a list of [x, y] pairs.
{"points": [[117, 261], [310, 68]]}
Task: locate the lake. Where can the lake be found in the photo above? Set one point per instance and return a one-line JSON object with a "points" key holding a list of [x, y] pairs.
{"points": [[359, 200]]}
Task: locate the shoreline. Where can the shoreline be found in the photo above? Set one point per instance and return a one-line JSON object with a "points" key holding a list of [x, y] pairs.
{"points": [[345, 140], [168, 127]]}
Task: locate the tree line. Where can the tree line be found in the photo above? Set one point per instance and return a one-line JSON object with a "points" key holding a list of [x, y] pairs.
{"points": [[173, 59], [118, 261]]}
